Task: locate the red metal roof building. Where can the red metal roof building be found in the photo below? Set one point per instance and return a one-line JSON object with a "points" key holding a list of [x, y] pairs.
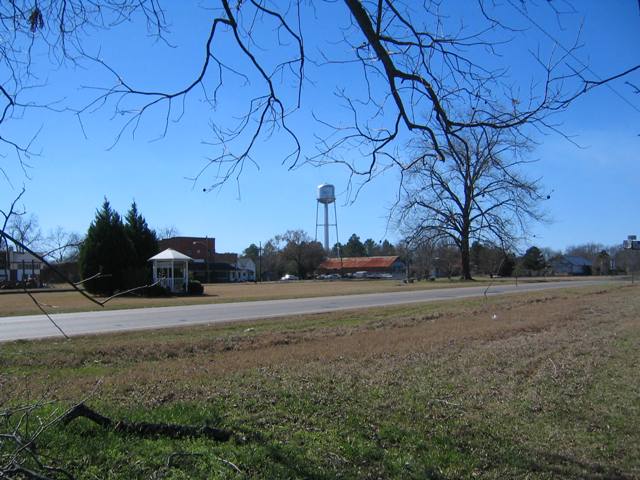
{"points": [[389, 264]]}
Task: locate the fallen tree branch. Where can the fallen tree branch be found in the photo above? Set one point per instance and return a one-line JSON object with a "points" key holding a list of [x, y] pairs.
{"points": [[144, 428]]}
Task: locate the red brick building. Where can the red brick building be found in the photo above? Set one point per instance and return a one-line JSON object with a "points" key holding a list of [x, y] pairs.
{"points": [[201, 249]]}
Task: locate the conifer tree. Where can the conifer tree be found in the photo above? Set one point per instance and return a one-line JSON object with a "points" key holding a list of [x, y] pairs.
{"points": [[144, 240], [107, 250]]}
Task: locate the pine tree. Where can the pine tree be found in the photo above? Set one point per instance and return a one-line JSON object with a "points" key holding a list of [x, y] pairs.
{"points": [[106, 250], [533, 259], [144, 240]]}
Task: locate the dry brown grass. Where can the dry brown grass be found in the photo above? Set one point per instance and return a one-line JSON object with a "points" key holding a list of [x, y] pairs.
{"points": [[543, 385], [163, 359], [58, 302]]}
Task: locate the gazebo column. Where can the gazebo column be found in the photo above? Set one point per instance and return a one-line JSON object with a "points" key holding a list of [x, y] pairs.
{"points": [[172, 279]]}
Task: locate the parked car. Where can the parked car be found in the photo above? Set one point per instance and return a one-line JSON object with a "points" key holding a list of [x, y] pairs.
{"points": [[362, 274], [329, 276], [288, 277]]}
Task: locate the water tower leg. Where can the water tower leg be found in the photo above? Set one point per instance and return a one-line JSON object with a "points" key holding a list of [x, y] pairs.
{"points": [[326, 227]]}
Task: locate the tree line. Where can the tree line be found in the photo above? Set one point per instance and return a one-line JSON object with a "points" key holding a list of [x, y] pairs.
{"points": [[443, 259], [116, 251], [296, 252]]}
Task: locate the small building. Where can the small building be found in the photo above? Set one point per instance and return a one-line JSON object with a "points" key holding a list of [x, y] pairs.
{"points": [[349, 265], [245, 270], [207, 265], [171, 270], [571, 265], [22, 266], [201, 250]]}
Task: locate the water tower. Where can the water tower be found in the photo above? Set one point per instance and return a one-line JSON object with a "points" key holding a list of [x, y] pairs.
{"points": [[327, 196]]}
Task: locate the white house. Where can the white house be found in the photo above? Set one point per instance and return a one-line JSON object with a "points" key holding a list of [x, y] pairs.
{"points": [[22, 266], [245, 270]]}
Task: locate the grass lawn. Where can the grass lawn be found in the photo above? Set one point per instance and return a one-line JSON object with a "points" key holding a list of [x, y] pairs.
{"points": [[58, 302], [542, 385]]}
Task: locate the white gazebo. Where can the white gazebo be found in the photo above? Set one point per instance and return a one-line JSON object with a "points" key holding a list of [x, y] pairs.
{"points": [[171, 270]]}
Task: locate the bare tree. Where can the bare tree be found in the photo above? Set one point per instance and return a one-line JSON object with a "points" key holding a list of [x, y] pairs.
{"points": [[590, 251], [477, 194], [26, 229], [53, 30], [7, 217], [62, 245], [167, 232], [301, 251], [414, 67]]}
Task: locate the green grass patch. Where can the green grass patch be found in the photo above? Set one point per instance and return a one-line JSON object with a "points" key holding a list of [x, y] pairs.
{"points": [[548, 388]]}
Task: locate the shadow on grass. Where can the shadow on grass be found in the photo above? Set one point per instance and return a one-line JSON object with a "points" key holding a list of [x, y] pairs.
{"points": [[567, 467]]}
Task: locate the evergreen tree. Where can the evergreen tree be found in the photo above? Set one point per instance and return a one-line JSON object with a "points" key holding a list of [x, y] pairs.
{"points": [[387, 248], [371, 248], [507, 265], [252, 252], [143, 239], [533, 259], [354, 247], [106, 250]]}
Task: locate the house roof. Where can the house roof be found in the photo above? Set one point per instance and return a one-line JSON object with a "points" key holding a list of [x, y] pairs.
{"points": [[577, 261], [360, 263], [170, 254]]}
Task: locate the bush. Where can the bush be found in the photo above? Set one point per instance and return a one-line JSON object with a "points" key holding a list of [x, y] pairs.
{"points": [[195, 288], [156, 291]]}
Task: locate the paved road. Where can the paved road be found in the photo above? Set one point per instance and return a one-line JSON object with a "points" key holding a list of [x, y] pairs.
{"points": [[82, 323]]}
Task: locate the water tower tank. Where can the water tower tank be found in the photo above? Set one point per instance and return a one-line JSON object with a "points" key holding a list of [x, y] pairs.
{"points": [[326, 193]]}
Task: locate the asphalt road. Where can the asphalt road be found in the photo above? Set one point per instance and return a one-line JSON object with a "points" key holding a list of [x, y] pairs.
{"points": [[83, 323]]}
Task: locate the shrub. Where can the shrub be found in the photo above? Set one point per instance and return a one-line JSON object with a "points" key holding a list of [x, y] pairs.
{"points": [[156, 291], [195, 288]]}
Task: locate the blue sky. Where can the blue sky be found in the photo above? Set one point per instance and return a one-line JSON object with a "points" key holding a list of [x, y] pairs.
{"points": [[595, 187]]}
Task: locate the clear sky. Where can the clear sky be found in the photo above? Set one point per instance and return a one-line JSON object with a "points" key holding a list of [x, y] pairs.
{"points": [[595, 186]]}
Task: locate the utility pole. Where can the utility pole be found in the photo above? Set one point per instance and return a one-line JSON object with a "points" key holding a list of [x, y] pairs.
{"points": [[631, 243], [260, 261]]}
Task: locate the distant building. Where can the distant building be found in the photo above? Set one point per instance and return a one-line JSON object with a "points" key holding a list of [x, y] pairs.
{"points": [[198, 248], [207, 265], [22, 266], [349, 265], [202, 251], [245, 270], [571, 265]]}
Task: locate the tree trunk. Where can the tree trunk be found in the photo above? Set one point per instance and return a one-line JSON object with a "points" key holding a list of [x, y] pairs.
{"points": [[465, 258]]}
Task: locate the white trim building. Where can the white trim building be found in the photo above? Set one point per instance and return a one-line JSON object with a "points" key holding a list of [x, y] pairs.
{"points": [[22, 266], [171, 270]]}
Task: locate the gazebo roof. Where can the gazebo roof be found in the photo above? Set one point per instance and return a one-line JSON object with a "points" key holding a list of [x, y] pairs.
{"points": [[170, 254]]}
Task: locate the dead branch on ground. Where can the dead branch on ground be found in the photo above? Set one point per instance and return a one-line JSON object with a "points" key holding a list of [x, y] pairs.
{"points": [[145, 428]]}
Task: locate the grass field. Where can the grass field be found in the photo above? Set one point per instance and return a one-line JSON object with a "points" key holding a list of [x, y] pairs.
{"points": [[58, 302], [541, 385]]}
